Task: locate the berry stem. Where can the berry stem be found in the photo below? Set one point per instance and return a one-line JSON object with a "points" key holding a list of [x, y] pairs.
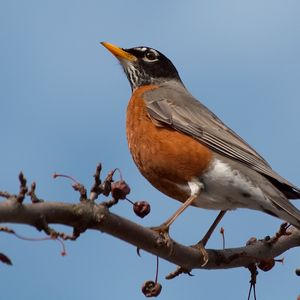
{"points": [[157, 266], [129, 201], [55, 175], [120, 173]]}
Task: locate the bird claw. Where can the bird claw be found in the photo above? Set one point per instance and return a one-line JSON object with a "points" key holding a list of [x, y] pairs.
{"points": [[164, 237], [200, 247]]}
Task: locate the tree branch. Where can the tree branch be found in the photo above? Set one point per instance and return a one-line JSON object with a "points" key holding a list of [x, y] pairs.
{"points": [[88, 215]]}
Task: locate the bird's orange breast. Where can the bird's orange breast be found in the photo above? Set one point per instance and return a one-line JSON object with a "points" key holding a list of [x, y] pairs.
{"points": [[167, 158]]}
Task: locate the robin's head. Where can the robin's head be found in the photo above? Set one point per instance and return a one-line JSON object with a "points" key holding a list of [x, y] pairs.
{"points": [[144, 65]]}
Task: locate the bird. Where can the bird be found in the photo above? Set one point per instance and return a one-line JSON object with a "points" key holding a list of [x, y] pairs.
{"points": [[185, 151]]}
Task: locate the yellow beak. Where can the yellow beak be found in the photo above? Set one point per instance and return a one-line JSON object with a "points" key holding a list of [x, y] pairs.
{"points": [[118, 52]]}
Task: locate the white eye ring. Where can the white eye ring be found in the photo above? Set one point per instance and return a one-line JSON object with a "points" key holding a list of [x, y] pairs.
{"points": [[150, 56]]}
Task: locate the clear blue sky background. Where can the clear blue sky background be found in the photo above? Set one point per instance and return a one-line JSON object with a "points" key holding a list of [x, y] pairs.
{"points": [[63, 102]]}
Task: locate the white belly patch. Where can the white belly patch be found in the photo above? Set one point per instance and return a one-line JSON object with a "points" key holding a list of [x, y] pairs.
{"points": [[226, 189]]}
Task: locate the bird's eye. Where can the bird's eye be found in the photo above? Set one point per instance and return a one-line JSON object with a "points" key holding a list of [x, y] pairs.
{"points": [[150, 56]]}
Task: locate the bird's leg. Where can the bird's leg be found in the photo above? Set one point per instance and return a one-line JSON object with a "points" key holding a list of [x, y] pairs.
{"points": [[163, 229], [200, 246], [202, 243], [211, 229]]}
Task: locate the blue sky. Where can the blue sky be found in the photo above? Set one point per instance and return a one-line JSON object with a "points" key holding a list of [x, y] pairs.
{"points": [[63, 103]]}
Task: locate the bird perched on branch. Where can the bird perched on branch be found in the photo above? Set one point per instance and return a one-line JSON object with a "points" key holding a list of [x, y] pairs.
{"points": [[187, 152]]}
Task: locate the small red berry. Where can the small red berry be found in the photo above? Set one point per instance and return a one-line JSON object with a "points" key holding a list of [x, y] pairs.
{"points": [[151, 288], [119, 189], [266, 265], [141, 208]]}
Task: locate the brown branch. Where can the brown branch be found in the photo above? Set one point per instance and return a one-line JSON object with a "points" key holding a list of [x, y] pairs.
{"points": [[88, 215]]}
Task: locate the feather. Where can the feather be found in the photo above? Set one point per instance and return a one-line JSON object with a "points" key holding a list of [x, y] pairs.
{"points": [[175, 107]]}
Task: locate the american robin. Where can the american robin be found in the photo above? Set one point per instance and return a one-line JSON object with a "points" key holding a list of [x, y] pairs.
{"points": [[187, 152]]}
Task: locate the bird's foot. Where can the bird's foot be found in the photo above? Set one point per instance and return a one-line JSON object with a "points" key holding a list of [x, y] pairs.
{"points": [[163, 231], [201, 248]]}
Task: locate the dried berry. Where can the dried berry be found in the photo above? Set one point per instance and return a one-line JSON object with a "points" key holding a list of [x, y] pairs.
{"points": [[151, 288], [119, 189], [266, 265], [141, 208]]}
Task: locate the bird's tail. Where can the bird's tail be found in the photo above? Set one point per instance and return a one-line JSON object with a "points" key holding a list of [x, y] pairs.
{"points": [[283, 209]]}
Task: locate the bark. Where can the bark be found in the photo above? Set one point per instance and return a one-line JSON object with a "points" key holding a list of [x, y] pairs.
{"points": [[88, 215]]}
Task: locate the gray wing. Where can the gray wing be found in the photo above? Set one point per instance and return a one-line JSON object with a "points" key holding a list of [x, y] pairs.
{"points": [[181, 111]]}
